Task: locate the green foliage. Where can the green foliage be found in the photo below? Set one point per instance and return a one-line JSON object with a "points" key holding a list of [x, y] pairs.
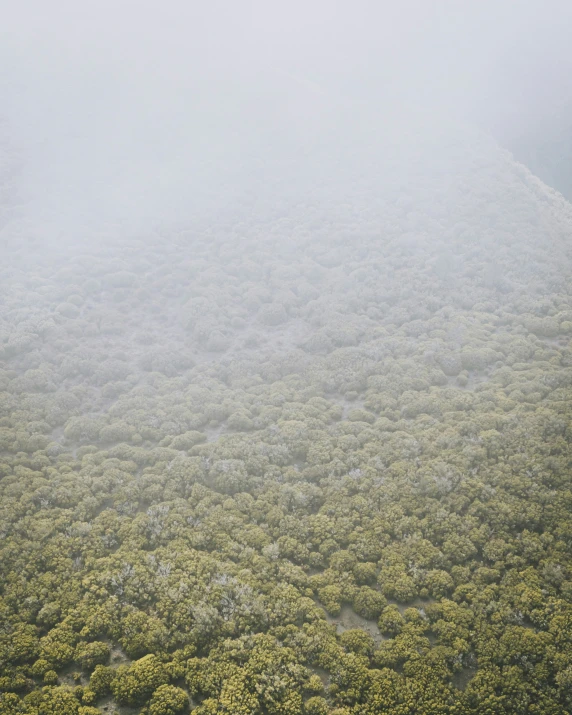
{"points": [[88, 655], [216, 486], [58, 700], [134, 684], [40, 667], [331, 598], [365, 573], [57, 646], [397, 584], [10, 704], [391, 621], [314, 684], [369, 603], [357, 641], [50, 677], [168, 700], [101, 680], [316, 706]]}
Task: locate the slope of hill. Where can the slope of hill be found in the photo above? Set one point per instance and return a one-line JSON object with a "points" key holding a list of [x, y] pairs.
{"points": [[546, 148], [311, 455]]}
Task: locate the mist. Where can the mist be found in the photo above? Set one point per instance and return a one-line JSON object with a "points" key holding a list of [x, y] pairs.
{"points": [[285, 358], [127, 114]]}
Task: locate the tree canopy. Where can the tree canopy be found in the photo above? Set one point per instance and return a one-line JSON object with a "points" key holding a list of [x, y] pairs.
{"points": [[301, 462]]}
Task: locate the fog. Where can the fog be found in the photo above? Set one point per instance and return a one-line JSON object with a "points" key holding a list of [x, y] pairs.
{"points": [[285, 358], [132, 113]]}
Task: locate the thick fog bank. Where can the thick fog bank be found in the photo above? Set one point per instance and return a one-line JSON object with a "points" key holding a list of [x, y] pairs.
{"points": [[128, 116]]}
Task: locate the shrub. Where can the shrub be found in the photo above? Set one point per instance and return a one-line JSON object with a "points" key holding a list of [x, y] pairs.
{"points": [[135, 684], [168, 700], [88, 655], [369, 603]]}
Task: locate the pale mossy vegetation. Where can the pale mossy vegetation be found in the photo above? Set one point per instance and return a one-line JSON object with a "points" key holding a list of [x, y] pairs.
{"points": [[307, 460]]}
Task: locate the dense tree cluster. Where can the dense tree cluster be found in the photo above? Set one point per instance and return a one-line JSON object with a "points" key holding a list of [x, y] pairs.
{"points": [[303, 463]]}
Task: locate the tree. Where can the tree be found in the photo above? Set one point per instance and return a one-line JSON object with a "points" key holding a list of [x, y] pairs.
{"points": [[316, 706], [88, 655], [134, 684], [168, 700], [357, 641], [369, 603], [58, 700]]}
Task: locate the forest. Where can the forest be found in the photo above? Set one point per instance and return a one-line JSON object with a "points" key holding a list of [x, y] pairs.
{"points": [[309, 458]]}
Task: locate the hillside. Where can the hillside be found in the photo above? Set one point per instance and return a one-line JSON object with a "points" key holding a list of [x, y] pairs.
{"points": [[546, 147], [308, 455]]}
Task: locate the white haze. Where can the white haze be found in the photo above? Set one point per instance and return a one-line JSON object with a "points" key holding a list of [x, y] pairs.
{"points": [[139, 113]]}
